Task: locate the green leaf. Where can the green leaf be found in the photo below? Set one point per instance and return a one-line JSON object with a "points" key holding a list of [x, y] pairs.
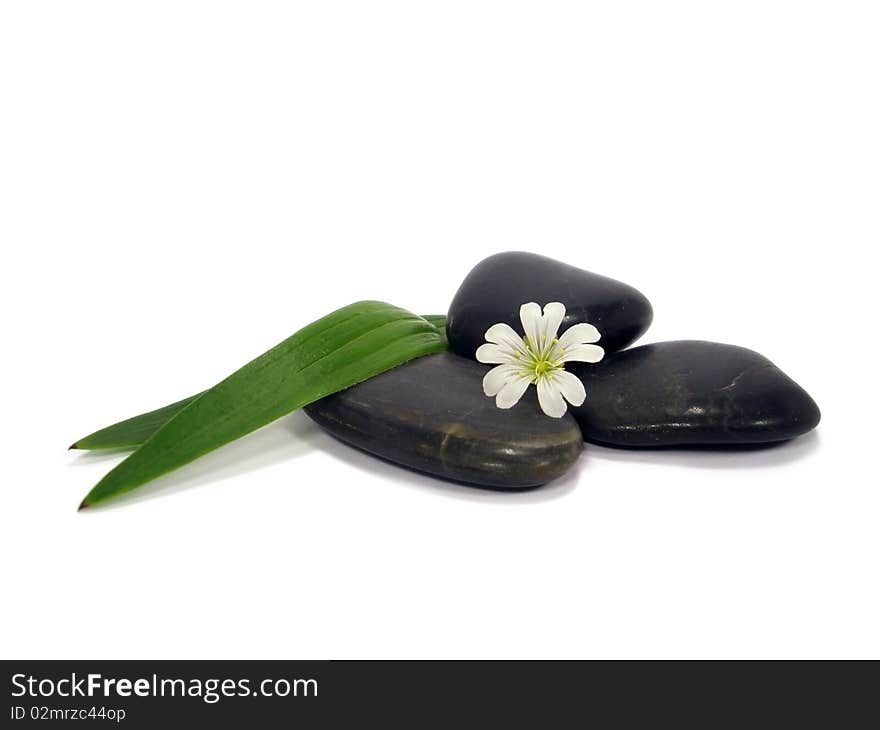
{"points": [[132, 432], [438, 320], [335, 352]]}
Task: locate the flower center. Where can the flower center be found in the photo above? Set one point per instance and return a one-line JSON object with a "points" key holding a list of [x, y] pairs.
{"points": [[541, 361], [543, 366]]}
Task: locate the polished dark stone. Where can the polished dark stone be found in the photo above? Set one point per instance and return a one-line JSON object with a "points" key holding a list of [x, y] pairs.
{"points": [[689, 393], [431, 415], [496, 287]]}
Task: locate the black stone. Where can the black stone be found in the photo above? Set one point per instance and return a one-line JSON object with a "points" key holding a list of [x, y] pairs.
{"points": [[689, 393], [431, 415], [496, 287]]}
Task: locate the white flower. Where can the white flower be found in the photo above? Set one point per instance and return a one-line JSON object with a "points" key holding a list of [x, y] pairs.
{"points": [[538, 358]]}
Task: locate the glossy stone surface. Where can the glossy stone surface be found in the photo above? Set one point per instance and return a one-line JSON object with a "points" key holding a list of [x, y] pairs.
{"points": [[431, 415], [688, 393], [496, 287]]}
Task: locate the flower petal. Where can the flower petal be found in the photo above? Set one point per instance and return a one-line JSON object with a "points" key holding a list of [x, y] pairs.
{"points": [[497, 378], [503, 334], [579, 334], [512, 391], [583, 353], [554, 313], [530, 316], [570, 386], [550, 398], [490, 353]]}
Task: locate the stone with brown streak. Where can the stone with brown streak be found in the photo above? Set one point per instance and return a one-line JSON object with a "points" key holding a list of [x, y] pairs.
{"points": [[431, 415]]}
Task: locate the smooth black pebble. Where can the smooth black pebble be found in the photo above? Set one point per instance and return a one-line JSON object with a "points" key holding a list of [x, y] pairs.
{"points": [[689, 393], [431, 415], [495, 289]]}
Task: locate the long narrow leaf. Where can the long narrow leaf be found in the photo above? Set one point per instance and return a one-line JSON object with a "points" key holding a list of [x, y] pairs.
{"points": [[329, 355], [132, 432]]}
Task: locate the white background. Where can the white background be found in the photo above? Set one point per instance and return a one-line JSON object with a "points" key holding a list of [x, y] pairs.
{"points": [[182, 185]]}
